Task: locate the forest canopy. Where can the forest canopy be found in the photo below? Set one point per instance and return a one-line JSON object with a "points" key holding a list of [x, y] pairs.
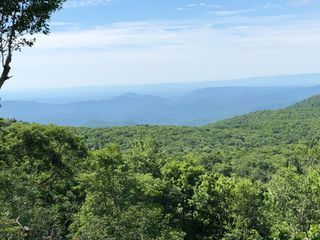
{"points": [[250, 177]]}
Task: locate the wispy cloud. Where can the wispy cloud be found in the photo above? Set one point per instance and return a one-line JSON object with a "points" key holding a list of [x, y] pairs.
{"points": [[199, 5], [120, 35], [303, 2], [224, 13], [61, 24], [156, 34], [159, 51], [234, 41], [86, 3]]}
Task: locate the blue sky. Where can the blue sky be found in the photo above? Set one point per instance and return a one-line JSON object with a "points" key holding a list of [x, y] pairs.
{"points": [[119, 42], [100, 12]]}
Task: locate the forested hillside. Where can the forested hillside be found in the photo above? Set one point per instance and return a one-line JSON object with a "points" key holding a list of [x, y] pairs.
{"points": [[256, 176]]}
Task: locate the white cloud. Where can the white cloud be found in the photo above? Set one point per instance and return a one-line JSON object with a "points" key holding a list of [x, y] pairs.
{"points": [[190, 6], [151, 52], [61, 24], [224, 13], [121, 35], [86, 3]]}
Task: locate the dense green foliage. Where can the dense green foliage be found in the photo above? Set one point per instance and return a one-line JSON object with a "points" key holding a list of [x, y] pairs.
{"points": [[251, 177]]}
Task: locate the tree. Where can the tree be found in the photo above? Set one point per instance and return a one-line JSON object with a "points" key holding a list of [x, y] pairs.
{"points": [[293, 204], [38, 190], [118, 201], [19, 21]]}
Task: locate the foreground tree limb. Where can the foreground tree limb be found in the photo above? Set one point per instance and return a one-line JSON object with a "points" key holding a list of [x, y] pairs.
{"points": [[6, 70], [24, 229], [19, 21]]}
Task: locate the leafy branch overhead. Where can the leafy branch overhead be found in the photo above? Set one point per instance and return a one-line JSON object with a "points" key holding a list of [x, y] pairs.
{"points": [[19, 21]]}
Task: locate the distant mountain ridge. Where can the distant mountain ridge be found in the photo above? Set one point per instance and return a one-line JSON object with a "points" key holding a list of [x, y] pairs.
{"points": [[79, 94], [199, 107]]}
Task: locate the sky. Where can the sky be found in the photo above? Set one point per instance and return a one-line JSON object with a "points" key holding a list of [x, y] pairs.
{"points": [[126, 42]]}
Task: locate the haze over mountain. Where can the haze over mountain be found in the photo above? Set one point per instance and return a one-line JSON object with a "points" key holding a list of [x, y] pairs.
{"points": [[196, 107], [68, 95]]}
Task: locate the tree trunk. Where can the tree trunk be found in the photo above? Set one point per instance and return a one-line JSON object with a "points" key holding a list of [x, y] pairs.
{"points": [[6, 70]]}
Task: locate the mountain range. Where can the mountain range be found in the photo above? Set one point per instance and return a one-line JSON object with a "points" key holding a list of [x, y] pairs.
{"points": [[194, 108], [85, 93]]}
